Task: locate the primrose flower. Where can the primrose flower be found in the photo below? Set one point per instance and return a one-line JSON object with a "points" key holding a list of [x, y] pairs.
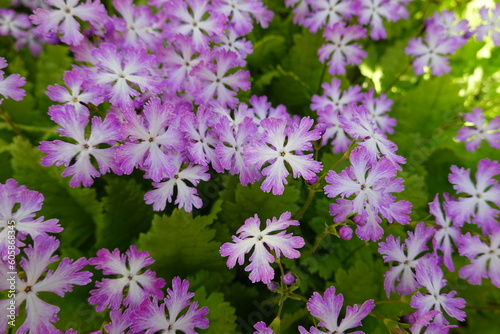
{"points": [[141, 286], [327, 308], [152, 318], [484, 258], [18, 205], [472, 135], [431, 51], [273, 150], [339, 49], [149, 135], [430, 276], [73, 125], [9, 86], [491, 18], [250, 236], [39, 314], [328, 12], [403, 272], [476, 207], [63, 18]]}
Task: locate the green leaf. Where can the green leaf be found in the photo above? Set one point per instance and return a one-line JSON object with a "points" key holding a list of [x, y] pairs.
{"points": [[76, 208], [182, 245], [243, 202], [125, 215], [266, 51], [359, 283], [51, 65], [221, 314]]}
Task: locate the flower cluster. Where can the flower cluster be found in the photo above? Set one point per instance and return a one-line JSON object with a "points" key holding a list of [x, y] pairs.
{"points": [[132, 296], [366, 189]]}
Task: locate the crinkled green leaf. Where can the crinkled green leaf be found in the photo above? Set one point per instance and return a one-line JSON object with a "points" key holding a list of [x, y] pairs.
{"points": [[125, 215], [221, 314], [182, 245]]}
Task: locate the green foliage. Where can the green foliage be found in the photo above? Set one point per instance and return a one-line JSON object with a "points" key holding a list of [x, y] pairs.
{"points": [[221, 314], [125, 215], [240, 203], [181, 245]]}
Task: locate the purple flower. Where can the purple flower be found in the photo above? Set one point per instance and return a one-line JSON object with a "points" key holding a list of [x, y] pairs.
{"points": [[215, 80], [184, 180], [329, 107], [328, 12], [149, 136], [18, 205], [403, 272], [202, 138], [371, 185], [419, 321], [452, 28], [179, 59], [119, 322], [140, 28], [240, 12], [358, 124], [491, 26], [64, 153], [81, 91], [152, 318], [484, 258], [376, 108], [339, 52], [475, 207], [430, 276], [190, 18], [250, 236], [39, 314], [62, 18], [372, 12], [13, 24], [261, 328], [279, 145], [123, 70], [473, 134], [231, 41], [9, 86], [232, 143], [262, 109], [141, 286], [328, 308], [431, 53], [446, 233]]}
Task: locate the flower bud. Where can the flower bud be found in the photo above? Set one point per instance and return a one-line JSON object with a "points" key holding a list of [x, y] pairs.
{"points": [[312, 180], [289, 279], [345, 232], [271, 286]]}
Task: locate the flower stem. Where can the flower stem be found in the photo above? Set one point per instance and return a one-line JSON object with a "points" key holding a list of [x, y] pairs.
{"points": [[307, 203], [5, 115], [316, 243]]}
